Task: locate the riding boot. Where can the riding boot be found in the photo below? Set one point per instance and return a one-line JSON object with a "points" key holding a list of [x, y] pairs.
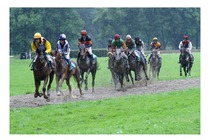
{"points": [[91, 58], [69, 63], [138, 58], [49, 63]]}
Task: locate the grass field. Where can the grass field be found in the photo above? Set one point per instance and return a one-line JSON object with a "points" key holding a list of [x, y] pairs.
{"points": [[176, 112], [22, 82], [166, 113]]}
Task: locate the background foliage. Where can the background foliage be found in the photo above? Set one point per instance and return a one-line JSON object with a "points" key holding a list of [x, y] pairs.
{"points": [[168, 24]]}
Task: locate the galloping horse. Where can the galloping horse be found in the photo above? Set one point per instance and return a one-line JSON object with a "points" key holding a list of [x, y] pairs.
{"points": [[119, 68], [86, 66], [63, 73], [110, 64], [42, 72], [136, 65], [155, 64], [185, 62]]}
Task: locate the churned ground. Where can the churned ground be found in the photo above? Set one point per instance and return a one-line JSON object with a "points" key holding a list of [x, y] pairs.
{"points": [[152, 87]]}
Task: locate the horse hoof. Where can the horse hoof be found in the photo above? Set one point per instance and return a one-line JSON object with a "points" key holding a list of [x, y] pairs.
{"points": [[35, 95], [48, 99], [58, 94]]}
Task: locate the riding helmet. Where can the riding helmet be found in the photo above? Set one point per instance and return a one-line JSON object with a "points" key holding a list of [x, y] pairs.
{"points": [[37, 35], [62, 37]]}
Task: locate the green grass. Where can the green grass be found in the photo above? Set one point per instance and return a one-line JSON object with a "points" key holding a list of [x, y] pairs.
{"points": [[22, 82], [175, 112]]}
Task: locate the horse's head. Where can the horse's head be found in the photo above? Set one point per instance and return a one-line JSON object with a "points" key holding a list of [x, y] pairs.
{"points": [[58, 56], [82, 49], [118, 54], [41, 51], [154, 53], [183, 54]]}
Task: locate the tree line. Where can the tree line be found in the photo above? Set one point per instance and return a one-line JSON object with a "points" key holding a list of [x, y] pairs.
{"points": [[167, 24]]}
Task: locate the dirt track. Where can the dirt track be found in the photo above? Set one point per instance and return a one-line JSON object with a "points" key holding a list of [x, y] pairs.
{"points": [[28, 100]]}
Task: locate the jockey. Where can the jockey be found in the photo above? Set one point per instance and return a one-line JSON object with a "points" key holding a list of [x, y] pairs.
{"points": [[86, 40], [131, 46], [109, 46], [155, 45], [140, 46], [186, 43], [64, 48], [119, 43], [38, 39]]}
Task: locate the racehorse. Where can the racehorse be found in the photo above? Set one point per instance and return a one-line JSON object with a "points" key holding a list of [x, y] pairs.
{"points": [[42, 72], [155, 64], [63, 73], [110, 64], [85, 65], [136, 65], [119, 68], [185, 62]]}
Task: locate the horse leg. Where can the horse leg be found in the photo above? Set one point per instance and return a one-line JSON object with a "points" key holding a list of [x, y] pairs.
{"points": [[82, 78], [93, 72], [86, 79], [57, 85], [50, 82], [44, 89], [131, 76], [61, 82], [185, 71], [37, 84], [158, 71], [77, 77], [121, 82], [115, 81], [69, 86], [145, 73], [180, 70]]}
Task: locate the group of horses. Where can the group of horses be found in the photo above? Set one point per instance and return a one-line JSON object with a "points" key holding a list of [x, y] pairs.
{"points": [[42, 72], [119, 70], [117, 65]]}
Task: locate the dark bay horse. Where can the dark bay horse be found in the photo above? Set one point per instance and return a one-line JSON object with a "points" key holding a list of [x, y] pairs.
{"points": [[42, 72], [119, 68], [85, 65], [63, 73], [136, 65], [185, 62], [155, 64]]}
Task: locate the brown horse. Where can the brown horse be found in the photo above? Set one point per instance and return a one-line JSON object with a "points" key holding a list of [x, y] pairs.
{"points": [[42, 72], [63, 73]]}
